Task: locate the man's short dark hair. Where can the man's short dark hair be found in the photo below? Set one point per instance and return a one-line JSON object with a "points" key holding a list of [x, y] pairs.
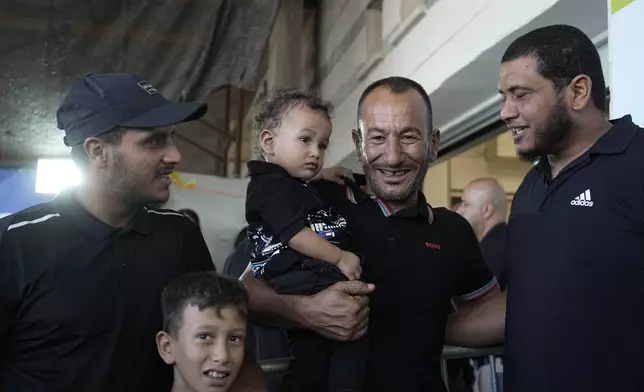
{"points": [[397, 85], [562, 52], [79, 156], [203, 290], [271, 111]]}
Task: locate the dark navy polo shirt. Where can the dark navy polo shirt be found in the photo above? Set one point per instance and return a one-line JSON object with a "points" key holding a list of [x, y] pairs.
{"points": [[575, 316], [80, 301], [419, 258]]}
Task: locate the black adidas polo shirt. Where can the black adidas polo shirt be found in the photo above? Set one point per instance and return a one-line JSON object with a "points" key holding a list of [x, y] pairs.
{"points": [[419, 259], [80, 301], [575, 316]]}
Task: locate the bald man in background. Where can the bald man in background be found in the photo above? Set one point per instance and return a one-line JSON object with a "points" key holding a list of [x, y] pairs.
{"points": [[484, 205]]}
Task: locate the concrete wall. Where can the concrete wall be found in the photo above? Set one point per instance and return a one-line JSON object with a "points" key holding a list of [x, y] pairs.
{"points": [[291, 49], [285, 46]]}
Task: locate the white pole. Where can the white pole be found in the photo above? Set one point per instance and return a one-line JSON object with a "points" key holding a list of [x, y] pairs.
{"points": [[626, 58]]}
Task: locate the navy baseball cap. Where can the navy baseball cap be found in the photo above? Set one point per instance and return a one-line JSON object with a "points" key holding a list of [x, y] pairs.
{"points": [[102, 102]]}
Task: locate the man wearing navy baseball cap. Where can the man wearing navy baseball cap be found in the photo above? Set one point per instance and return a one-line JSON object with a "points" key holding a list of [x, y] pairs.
{"points": [[122, 121], [81, 276]]}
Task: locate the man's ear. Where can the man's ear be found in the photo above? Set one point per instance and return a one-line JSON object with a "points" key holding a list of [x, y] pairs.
{"points": [[165, 346], [357, 142], [267, 141], [488, 210], [580, 89], [96, 151], [434, 144]]}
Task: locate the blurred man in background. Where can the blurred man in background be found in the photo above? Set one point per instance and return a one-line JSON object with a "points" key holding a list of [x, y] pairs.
{"points": [[484, 205]]}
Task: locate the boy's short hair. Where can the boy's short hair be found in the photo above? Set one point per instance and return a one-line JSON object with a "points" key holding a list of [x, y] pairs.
{"points": [[281, 101], [203, 290]]}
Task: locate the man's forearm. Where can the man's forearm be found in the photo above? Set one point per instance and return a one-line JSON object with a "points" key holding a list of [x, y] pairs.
{"points": [[266, 307], [478, 324]]}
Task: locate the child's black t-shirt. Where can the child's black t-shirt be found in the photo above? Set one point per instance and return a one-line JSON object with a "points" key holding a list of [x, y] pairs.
{"points": [[278, 206]]}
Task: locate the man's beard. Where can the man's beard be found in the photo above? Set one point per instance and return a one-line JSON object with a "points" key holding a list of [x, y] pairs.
{"points": [[124, 182], [401, 195], [551, 134]]}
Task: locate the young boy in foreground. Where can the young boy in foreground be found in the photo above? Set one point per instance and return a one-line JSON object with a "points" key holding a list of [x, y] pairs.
{"points": [[301, 245], [204, 323]]}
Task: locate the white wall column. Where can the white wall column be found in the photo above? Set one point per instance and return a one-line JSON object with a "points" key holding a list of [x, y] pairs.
{"points": [[626, 58]]}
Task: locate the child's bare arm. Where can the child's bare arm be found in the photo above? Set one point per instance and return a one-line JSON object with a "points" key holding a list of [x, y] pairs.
{"points": [[312, 245]]}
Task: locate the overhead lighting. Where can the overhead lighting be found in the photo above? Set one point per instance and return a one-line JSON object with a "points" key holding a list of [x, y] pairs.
{"points": [[54, 175]]}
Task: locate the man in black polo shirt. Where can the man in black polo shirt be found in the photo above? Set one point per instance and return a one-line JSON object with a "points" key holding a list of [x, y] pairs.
{"points": [[81, 276], [419, 258], [575, 319], [484, 205]]}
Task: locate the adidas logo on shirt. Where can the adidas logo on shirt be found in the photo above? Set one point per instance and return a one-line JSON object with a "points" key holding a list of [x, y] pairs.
{"points": [[582, 200]]}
